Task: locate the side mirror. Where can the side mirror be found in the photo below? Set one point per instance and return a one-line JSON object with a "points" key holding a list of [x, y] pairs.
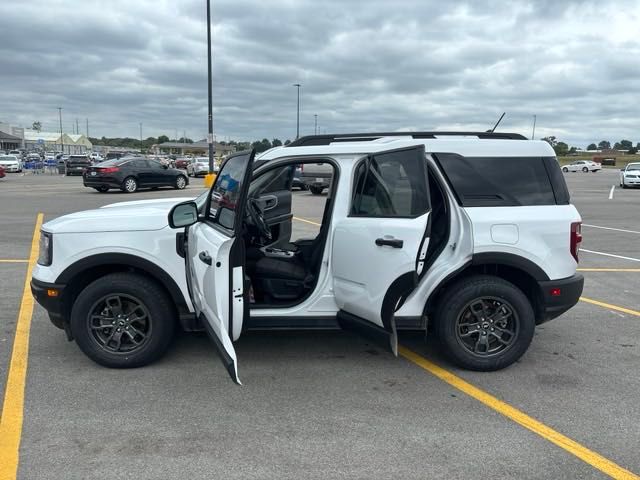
{"points": [[183, 214]]}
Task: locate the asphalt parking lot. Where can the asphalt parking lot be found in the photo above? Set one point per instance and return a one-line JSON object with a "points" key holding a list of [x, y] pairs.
{"points": [[329, 404]]}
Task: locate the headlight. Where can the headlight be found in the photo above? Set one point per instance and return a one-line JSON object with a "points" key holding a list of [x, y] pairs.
{"points": [[46, 249]]}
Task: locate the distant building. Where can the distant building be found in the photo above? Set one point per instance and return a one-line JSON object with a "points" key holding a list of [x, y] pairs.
{"points": [[13, 131], [54, 142], [196, 148], [9, 142]]}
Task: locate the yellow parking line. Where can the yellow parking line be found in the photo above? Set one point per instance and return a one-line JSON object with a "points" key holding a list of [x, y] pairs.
{"points": [[13, 260], [611, 307], [12, 408], [588, 456], [608, 269], [307, 221]]}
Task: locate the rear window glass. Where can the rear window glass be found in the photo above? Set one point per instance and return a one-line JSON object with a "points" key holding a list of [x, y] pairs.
{"points": [[501, 181]]}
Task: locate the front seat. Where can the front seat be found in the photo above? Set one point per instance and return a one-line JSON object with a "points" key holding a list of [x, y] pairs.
{"points": [[289, 278]]}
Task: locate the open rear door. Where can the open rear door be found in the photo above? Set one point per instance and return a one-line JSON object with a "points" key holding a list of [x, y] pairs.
{"points": [[379, 248], [215, 259]]}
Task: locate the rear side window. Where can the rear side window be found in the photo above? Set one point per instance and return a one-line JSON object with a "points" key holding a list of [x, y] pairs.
{"points": [[391, 184], [503, 181]]}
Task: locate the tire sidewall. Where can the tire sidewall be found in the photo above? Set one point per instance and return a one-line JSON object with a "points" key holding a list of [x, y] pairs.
{"points": [[154, 300], [458, 297]]}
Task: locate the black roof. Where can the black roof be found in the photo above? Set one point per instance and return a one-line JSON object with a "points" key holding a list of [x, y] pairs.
{"points": [[311, 140]]}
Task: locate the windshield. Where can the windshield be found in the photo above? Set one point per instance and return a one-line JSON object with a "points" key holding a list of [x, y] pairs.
{"points": [[633, 166], [8, 158]]}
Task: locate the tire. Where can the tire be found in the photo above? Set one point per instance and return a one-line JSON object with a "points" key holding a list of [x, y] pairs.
{"points": [[454, 311], [129, 185], [102, 189], [315, 190], [565, 169], [181, 182], [624, 185], [130, 288], [585, 169]]}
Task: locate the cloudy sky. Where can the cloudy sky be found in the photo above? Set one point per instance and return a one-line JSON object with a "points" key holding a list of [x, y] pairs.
{"points": [[363, 65]]}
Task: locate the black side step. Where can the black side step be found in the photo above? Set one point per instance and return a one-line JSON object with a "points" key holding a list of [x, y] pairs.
{"points": [[375, 333]]}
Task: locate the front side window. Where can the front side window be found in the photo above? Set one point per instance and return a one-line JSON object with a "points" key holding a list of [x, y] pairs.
{"points": [[391, 184], [225, 193]]}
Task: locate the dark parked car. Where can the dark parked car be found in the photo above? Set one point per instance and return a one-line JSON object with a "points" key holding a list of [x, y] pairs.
{"points": [[182, 163], [131, 173], [77, 164], [297, 179], [1, 172]]}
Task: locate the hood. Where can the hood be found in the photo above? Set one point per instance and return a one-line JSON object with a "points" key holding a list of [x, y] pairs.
{"points": [[143, 215]]}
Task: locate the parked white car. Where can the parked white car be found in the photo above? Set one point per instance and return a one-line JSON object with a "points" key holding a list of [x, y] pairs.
{"points": [[582, 166], [11, 163], [200, 166], [473, 234], [630, 175]]}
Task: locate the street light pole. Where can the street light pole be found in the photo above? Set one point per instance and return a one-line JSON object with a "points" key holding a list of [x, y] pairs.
{"points": [[297, 85], [315, 124], [60, 116], [533, 133], [209, 85], [140, 137]]}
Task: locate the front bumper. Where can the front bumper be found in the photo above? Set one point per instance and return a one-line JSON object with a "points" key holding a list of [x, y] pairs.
{"points": [[558, 296], [632, 182], [54, 305]]}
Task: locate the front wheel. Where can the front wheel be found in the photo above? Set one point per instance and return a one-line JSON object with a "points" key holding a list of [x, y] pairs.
{"points": [[123, 320], [585, 169], [181, 182], [130, 185], [315, 190], [565, 169], [484, 323]]}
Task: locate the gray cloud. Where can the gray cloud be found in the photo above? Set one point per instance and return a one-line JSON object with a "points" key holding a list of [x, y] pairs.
{"points": [[375, 65]]}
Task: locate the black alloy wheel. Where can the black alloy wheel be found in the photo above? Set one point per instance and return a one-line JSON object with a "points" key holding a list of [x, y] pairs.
{"points": [[119, 323], [484, 322], [123, 320], [487, 326]]}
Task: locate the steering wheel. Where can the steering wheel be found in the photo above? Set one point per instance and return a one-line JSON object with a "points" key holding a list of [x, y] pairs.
{"points": [[257, 217]]}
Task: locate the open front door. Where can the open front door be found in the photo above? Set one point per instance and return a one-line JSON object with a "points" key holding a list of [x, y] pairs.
{"points": [[215, 259], [379, 248]]}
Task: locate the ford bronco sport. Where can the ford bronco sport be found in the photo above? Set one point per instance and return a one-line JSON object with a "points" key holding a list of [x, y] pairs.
{"points": [[472, 233]]}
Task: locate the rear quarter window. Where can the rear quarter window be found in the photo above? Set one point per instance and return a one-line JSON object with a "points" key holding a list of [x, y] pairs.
{"points": [[504, 181]]}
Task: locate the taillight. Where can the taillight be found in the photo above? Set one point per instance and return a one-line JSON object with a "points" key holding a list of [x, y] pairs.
{"points": [[576, 239], [108, 170]]}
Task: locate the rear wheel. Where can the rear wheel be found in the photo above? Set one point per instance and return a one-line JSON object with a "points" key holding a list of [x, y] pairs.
{"points": [[181, 182], [484, 323], [102, 189], [565, 169], [123, 320], [585, 169], [129, 185], [315, 190]]}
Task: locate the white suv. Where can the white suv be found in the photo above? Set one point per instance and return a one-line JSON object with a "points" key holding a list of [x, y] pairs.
{"points": [[472, 233]]}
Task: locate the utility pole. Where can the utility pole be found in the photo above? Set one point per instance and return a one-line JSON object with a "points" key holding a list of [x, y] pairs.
{"points": [[533, 133], [140, 137], [297, 85], [87, 129], [60, 116], [77, 127], [315, 124], [209, 85]]}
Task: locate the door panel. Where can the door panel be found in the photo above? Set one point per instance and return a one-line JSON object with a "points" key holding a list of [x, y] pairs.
{"points": [[216, 256], [379, 247]]}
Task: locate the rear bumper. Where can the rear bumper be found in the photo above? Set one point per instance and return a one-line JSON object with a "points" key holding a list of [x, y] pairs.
{"points": [[53, 305], [558, 296]]}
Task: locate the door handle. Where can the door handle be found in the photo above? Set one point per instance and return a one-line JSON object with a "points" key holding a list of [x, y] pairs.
{"points": [[389, 242], [205, 257]]}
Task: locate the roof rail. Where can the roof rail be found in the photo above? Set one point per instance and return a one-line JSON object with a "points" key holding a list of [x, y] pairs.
{"points": [[311, 140]]}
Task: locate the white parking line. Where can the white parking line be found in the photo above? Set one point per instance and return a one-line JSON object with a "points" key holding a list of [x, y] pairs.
{"points": [[613, 187], [611, 228], [610, 255]]}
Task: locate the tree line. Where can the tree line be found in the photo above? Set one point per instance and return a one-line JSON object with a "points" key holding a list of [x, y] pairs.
{"points": [[561, 148], [128, 142]]}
